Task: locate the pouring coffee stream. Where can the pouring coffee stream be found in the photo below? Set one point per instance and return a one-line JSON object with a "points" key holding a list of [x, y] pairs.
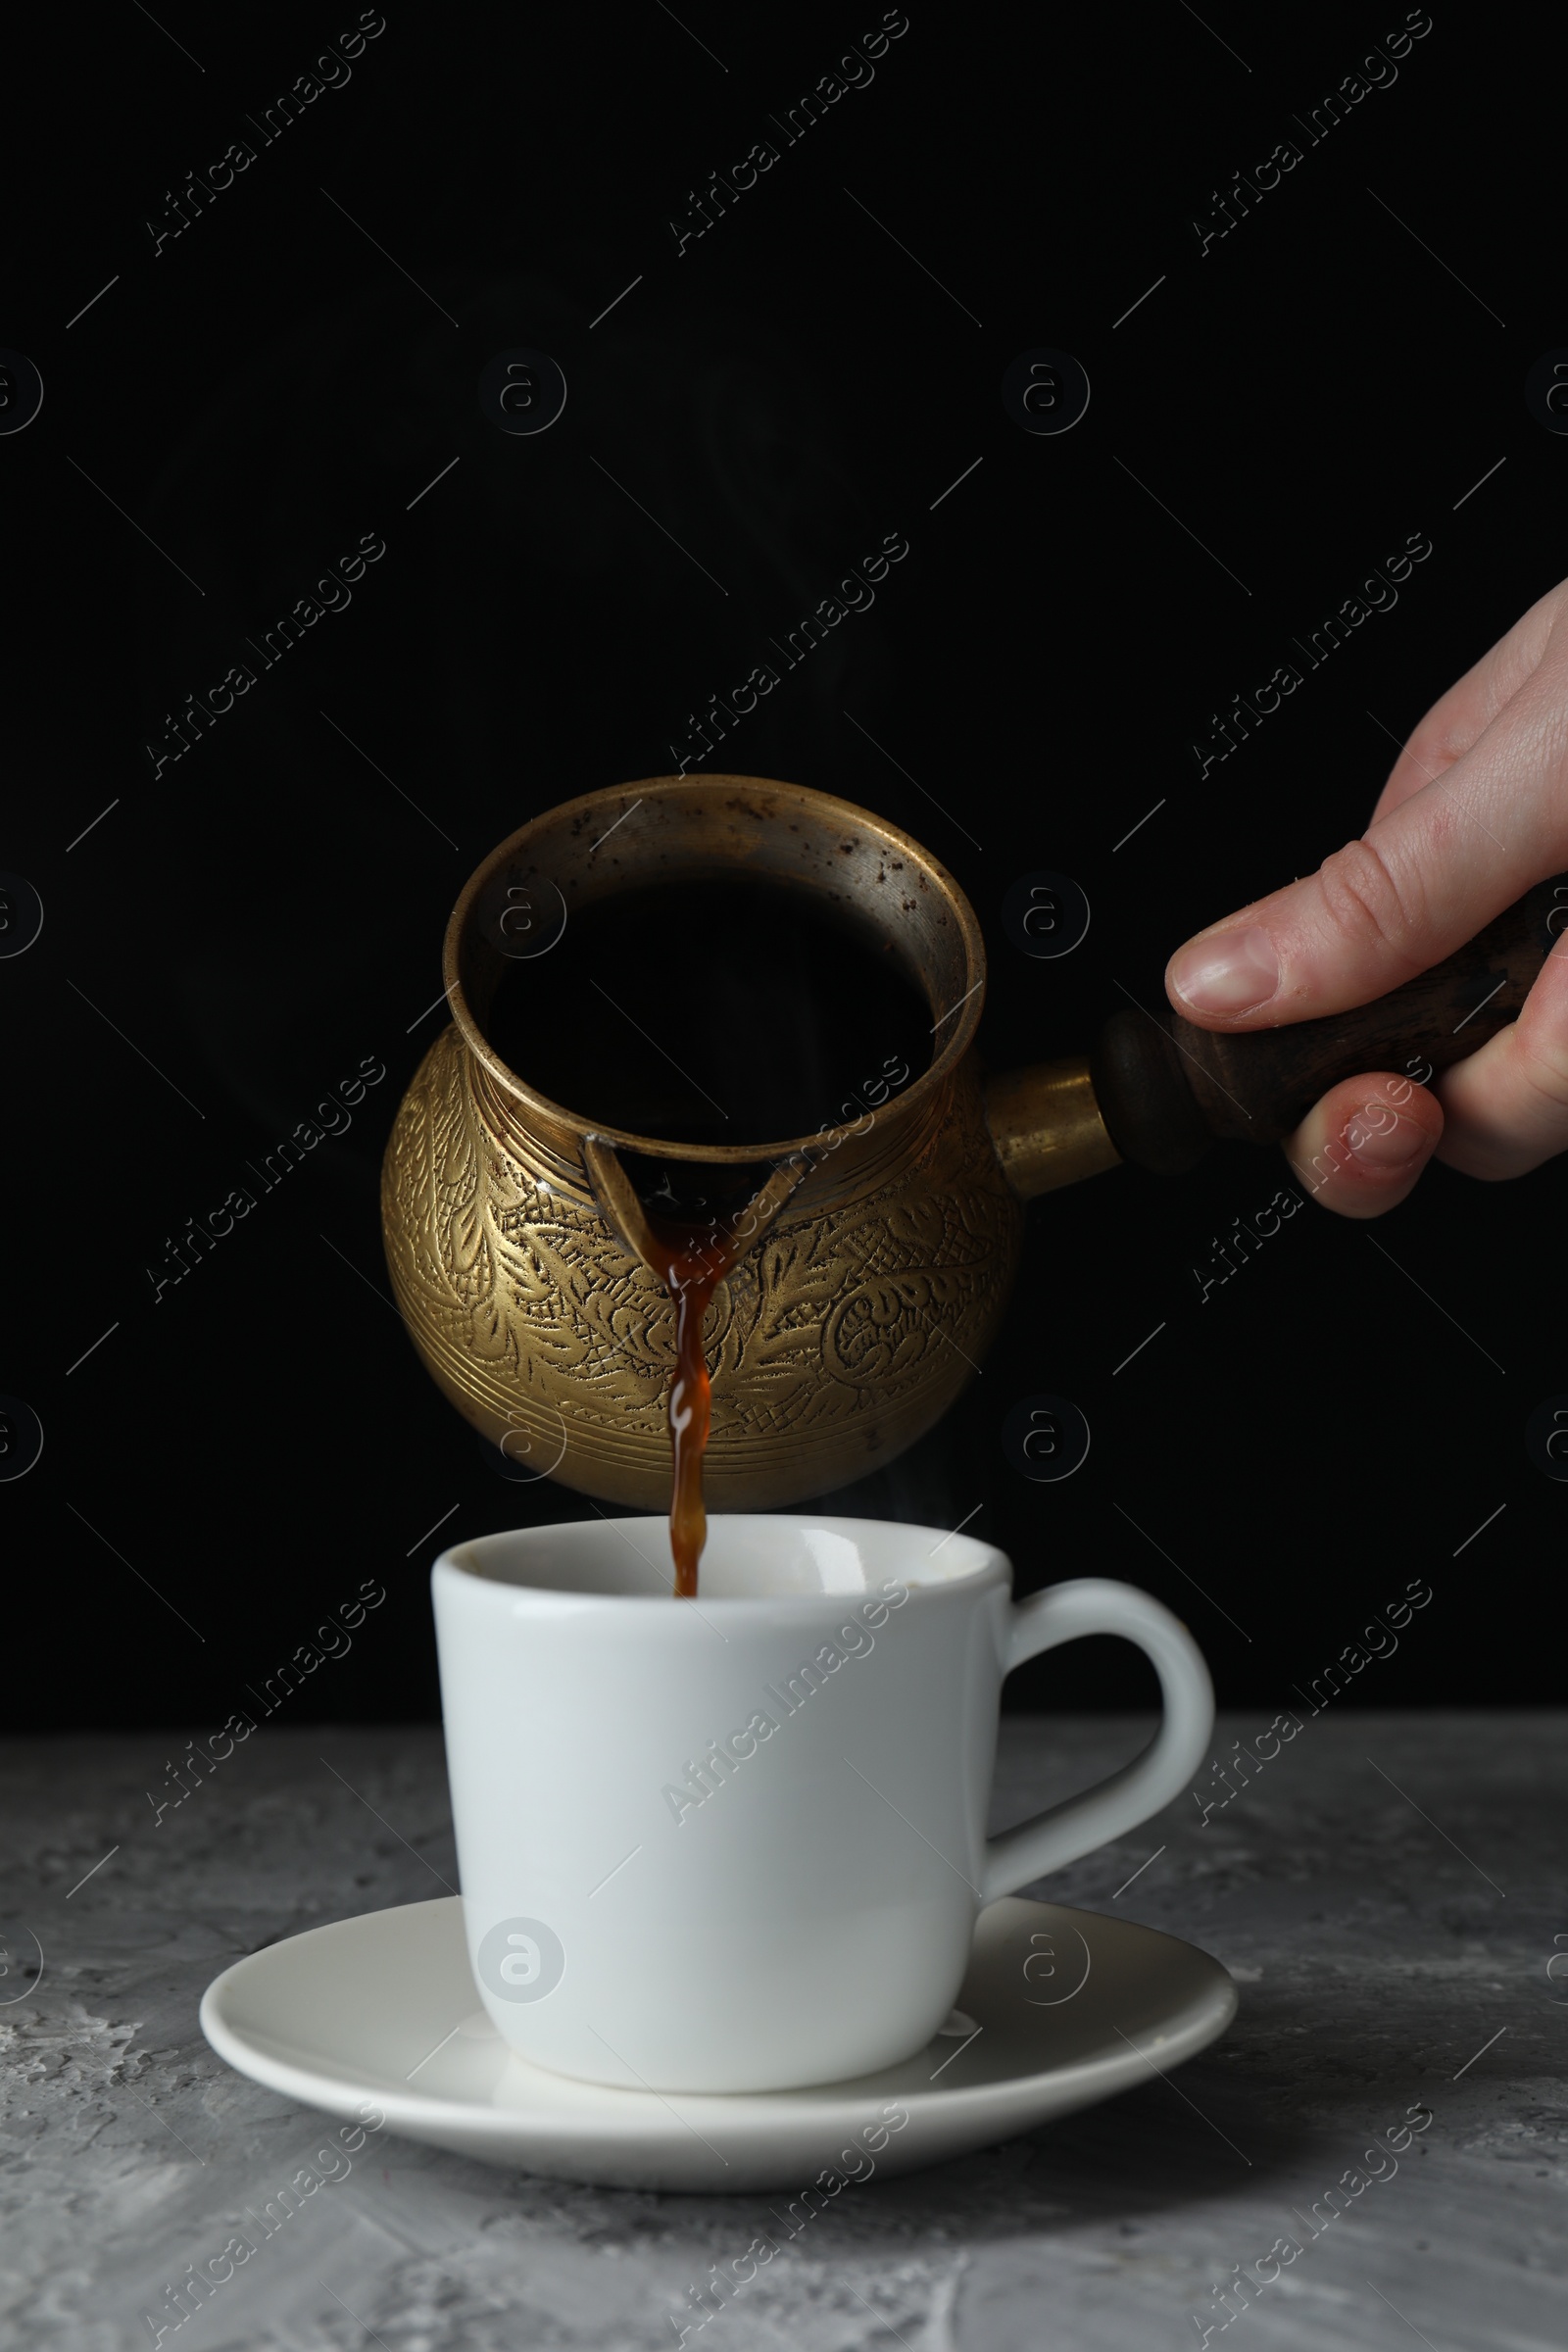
{"points": [[691, 1263], [847, 1278]]}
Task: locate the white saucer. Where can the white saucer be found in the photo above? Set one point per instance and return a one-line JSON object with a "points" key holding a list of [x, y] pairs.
{"points": [[383, 2008]]}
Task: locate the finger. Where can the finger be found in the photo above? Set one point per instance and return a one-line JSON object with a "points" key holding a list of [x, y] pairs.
{"points": [[1505, 1109], [1458, 718], [1416, 886], [1360, 1150]]}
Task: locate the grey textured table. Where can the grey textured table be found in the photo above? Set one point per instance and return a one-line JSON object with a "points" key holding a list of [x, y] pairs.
{"points": [[1391, 1924]]}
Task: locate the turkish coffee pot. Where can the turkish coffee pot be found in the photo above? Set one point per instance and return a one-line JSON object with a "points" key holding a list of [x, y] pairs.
{"points": [[517, 1227]]}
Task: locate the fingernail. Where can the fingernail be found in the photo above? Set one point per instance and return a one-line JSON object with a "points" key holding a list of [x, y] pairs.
{"points": [[1235, 971], [1392, 1144]]}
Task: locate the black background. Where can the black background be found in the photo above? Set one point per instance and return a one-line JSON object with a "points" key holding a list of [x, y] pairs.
{"points": [[1314, 388]]}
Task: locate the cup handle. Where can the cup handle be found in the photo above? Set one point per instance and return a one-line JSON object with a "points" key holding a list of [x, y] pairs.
{"points": [[1094, 1604]]}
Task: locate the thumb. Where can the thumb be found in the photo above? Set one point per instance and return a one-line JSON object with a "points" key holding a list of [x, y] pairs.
{"points": [[1420, 882]]}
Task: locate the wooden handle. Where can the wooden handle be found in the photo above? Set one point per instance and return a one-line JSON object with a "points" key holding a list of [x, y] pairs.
{"points": [[1167, 1091]]}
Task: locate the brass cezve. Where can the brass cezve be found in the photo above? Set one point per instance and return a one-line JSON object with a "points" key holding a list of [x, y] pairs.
{"points": [[886, 1248]]}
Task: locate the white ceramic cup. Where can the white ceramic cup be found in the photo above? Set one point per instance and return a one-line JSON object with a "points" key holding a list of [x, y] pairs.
{"points": [[738, 1843]]}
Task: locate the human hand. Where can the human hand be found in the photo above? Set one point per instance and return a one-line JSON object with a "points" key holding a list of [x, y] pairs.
{"points": [[1474, 813]]}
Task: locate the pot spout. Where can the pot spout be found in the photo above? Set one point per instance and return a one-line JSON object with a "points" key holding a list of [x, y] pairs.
{"points": [[622, 1209]]}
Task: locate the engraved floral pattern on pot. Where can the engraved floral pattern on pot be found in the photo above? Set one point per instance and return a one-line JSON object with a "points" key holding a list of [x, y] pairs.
{"points": [[526, 1304]]}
